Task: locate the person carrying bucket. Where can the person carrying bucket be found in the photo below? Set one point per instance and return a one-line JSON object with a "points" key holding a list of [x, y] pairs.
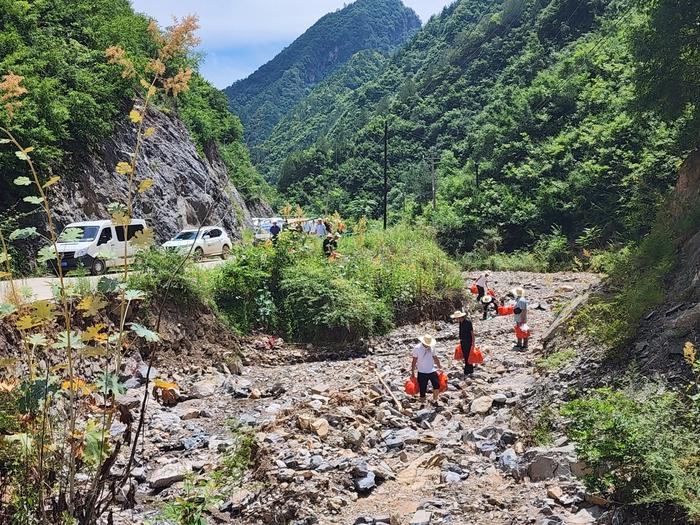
{"points": [[522, 332], [482, 285], [466, 338], [427, 363]]}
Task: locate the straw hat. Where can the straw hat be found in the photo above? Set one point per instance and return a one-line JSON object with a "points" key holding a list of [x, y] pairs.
{"points": [[518, 291], [428, 340], [458, 314], [486, 299]]}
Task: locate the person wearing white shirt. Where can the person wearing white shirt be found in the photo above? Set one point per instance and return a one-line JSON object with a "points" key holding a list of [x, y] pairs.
{"points": [[427, 363], [482, 285], [520, 318]]}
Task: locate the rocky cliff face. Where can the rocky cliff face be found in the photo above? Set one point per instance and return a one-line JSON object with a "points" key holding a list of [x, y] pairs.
{"points": [[186, 184]]}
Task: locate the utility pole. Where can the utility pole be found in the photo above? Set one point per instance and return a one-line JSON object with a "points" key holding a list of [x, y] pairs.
{"points": [[386, 163], [433, 158]]}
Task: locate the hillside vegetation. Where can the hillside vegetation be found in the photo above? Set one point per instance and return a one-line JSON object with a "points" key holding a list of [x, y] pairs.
{"points": [[270, 93], [531, 112], [74, 98]]}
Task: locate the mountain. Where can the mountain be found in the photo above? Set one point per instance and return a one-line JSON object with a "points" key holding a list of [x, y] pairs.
{"points": [[266, 96], [314, 116], [528, 108]]}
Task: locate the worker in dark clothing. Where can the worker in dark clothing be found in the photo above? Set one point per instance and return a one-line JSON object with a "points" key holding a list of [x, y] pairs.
{"points": [[275, 231], [330, 245], [466, 338]]}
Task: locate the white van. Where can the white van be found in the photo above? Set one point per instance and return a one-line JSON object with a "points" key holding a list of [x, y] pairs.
{"points": [[100, 245]]}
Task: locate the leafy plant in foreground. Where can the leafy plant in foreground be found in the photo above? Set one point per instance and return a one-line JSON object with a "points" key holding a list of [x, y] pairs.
{"points": [[63, 427]]}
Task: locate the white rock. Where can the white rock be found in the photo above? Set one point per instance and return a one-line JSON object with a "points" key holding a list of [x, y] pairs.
{"points": [[481, 405], [167, 475]]}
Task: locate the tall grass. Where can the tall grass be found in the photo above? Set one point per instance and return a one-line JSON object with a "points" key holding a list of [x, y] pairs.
{"points": [[382, 278]]}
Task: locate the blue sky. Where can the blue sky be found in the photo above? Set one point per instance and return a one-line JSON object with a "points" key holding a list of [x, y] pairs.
{"points": [[238, 36]]}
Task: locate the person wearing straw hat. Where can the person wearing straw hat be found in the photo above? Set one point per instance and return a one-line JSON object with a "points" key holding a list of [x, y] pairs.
{"points": [[486, 303], [466, 338], [520, 317], [427, 363]]}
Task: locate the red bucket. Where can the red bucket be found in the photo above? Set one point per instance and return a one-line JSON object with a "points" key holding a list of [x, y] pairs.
{"points": [[522, 332], [442, 378], [411, 386]]}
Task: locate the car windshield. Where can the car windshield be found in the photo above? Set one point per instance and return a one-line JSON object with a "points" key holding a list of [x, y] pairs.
{"points": [[186, 236], [79, 234]]}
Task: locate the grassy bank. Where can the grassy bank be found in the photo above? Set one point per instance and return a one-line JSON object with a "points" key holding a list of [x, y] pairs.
{"points": [[381, 279]]}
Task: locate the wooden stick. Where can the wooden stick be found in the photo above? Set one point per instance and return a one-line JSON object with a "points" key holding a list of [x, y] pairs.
{"points": [[396, 401]]}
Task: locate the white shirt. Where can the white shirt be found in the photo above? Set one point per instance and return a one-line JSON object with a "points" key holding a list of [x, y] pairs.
{"points": [[321, 230], [425, 356], [481, 281]]}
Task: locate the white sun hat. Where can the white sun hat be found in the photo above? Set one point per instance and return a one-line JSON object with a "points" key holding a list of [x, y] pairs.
{"points": [[428, 340]]}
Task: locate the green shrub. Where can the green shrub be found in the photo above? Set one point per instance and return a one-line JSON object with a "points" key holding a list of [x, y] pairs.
{"points": [[320, 304], [637, 278], [155, 268], [554, 250], [241, 289], [641, 444], [405, 268], [291, 288], [238, 458]]}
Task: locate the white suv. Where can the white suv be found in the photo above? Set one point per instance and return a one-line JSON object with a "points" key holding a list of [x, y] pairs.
{"points": [[211, 240]]}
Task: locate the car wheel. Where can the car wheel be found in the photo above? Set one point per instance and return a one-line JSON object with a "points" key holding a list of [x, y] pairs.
{"points": [[225, 252], [198, 254], [98, 267]]}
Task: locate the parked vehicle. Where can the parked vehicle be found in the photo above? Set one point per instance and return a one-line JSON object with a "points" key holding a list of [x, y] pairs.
{"points": [[99, 245], [262, 225], [204, 242]]}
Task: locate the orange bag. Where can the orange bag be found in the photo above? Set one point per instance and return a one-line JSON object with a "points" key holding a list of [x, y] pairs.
{"points": [[522, 333], [411, 386], [491, 293], [442, 378], [473, 289], [505, 310], [475, 356], [458, 352]]}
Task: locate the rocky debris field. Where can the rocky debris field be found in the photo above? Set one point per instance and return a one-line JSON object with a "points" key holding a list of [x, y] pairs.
{"points": [[339, 442]]}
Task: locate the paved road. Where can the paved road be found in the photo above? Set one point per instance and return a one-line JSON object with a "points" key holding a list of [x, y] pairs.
{"points": [[41, 288]]}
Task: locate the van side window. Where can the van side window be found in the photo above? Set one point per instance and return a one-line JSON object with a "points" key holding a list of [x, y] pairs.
{"points": [[120, 233], [132, 229], [105, 236]]}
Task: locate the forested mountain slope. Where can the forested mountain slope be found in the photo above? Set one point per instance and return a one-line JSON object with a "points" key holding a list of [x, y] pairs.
{"points": [[315, 115], [529, 107], [267, 95], [76, 107]]}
